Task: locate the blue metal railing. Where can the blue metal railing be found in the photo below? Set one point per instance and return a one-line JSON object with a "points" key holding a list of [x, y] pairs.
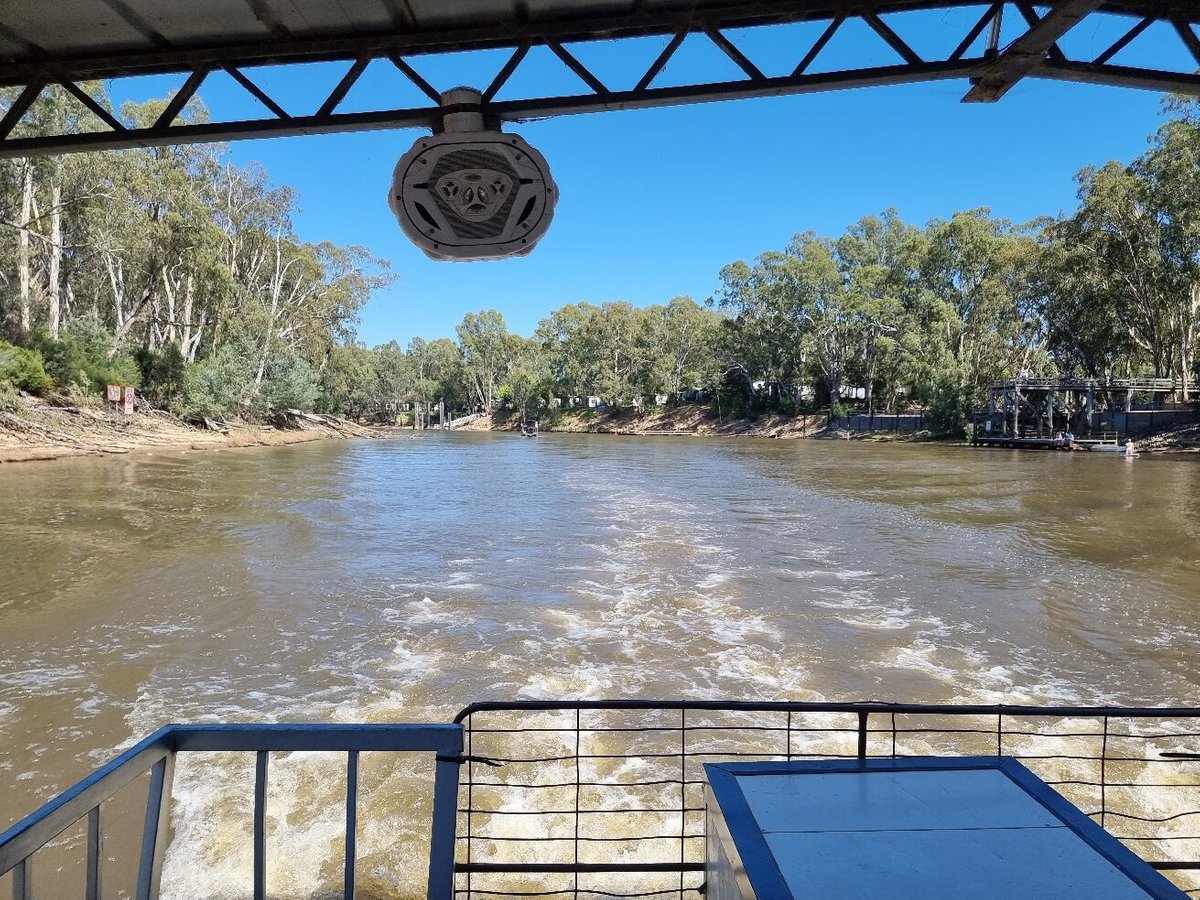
{"points": [[156, 755], [604, 798]]}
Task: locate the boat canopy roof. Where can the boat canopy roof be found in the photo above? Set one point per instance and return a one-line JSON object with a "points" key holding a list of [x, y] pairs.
{"points": [[73, 42]]}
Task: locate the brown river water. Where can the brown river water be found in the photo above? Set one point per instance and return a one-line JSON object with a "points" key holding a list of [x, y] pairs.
{"points": [[400, 580]]}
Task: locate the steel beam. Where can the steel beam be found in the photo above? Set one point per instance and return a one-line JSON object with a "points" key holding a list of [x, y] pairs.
{"points": [[1027, 52], [509, 110]]}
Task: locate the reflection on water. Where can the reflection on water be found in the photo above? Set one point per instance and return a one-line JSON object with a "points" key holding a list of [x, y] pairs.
{"points": [[401, 580]]}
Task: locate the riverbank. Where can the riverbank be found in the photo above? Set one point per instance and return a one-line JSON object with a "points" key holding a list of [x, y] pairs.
{"points": [[682, 420], [38, 431], [698, 420], [686, 420]]}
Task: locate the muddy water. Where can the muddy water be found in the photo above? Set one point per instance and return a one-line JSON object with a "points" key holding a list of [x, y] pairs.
{"points": [[401, 580]]}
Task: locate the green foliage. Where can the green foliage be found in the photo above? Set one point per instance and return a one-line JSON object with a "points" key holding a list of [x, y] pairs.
{"points": [[23, 369], [951, 404], [350, 383], [216, 386], [289, 382], [163, 373], [9, 401], [81, 357]]}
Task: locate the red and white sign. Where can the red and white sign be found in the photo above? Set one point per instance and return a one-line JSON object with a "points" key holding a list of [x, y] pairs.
{"points": [[114, 393], [128, 400]]}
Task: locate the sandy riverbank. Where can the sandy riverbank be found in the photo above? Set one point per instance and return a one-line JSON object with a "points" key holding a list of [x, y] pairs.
{"points": [[687, 419], [37, 431]]}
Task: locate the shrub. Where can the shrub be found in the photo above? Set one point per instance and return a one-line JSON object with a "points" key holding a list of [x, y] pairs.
{"points": [[215, 386], [9, 401], [23, 369], [951, 404], [80, 356], [288, 383], [163, 375]]}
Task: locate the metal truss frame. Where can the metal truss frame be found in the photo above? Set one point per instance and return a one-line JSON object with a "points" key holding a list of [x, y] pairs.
{"points": [[992, 69]]}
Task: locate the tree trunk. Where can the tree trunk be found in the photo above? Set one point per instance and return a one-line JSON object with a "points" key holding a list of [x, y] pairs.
{"points": [[23, 252], [872, 363], [1187, 339], [124, 328], [53, 294]]}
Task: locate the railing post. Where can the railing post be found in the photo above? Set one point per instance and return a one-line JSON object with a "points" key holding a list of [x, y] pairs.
{"points": [[578, 791], [22, 882], [1104, 773], [682, 795], [470, 748], [95, 855], [260, 825], [157, 828], [862, 734], [351, 821], [445, 818]]}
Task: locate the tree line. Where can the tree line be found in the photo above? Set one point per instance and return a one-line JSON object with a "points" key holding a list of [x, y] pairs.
{"points": [[171, 268], [179, 271]]}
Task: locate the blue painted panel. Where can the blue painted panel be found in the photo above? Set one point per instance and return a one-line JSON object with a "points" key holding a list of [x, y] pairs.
{"points": [[982, 798], [982, 864], [927, 828]]}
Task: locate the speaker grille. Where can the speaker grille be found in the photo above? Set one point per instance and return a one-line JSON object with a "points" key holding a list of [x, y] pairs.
{"points": [[471, 161]]}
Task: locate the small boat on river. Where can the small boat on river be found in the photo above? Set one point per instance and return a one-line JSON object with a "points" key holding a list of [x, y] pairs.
{"points": [[1126, 450]]}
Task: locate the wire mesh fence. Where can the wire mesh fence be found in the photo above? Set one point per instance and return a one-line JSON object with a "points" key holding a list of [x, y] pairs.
{"points": [[606, 798]]}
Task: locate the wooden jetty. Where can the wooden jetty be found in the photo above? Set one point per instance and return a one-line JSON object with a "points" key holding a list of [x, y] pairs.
{"points": [[1028, 413]]}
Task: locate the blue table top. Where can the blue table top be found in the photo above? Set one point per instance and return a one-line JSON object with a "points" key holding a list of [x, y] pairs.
{"points": [[983, 828]]}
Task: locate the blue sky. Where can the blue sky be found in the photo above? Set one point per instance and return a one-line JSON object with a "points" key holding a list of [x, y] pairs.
{"points": [[654, 202]]}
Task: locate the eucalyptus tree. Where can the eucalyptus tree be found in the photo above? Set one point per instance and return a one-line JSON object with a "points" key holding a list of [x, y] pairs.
{"points": [[392, 382], [483, 337], [1169, 174], [149, 235], [1085, 334], [525, 383], [615, 334], [749, 343], [680, 338], [41, 208], [977, 271], [879, 258], [350, 381], [571, 363], [445, 365]]}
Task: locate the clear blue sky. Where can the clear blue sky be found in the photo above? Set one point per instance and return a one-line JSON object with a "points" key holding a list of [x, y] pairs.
{"points": [[654, 202]]}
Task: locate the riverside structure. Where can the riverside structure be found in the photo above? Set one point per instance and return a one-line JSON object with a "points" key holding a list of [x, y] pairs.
{"points": [[1033, 413]]}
